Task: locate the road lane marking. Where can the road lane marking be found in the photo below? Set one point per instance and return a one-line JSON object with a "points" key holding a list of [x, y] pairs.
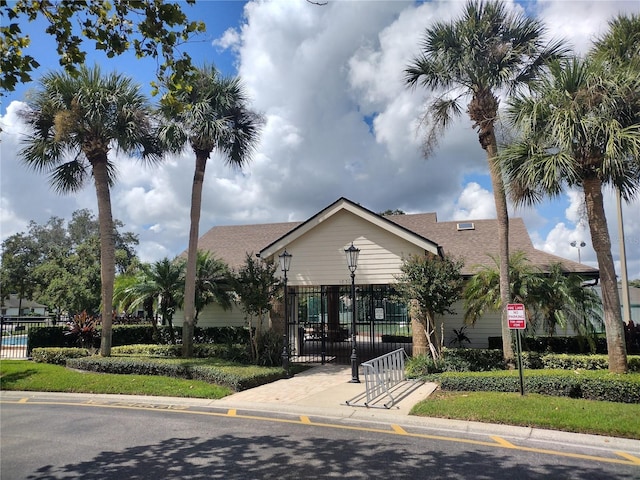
{"points": [[399, 430], [497, 442], [23, 400], [503, 442], [232, 412], [635, 460]]}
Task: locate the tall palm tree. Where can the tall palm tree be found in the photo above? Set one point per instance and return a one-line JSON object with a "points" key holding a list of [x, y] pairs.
{"points": [[213, 283], [211, 115], [581, 129], [486, 51], [75, 122]]}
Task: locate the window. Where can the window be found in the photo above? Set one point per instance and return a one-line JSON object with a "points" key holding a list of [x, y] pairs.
{"points": [[466, 226]]}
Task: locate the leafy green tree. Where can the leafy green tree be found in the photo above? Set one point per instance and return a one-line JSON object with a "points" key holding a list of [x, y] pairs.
{"points": [[483, 53], [75, 122], [482, 291], [161, 282], [563, 300], [257, 286], [213, 283], [580, 129], [430, 284], [151, 28], [556, 297], [212, 115], [19, 259]]}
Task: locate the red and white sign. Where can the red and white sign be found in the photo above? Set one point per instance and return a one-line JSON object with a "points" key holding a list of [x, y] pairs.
{"points": [[516, 316]]}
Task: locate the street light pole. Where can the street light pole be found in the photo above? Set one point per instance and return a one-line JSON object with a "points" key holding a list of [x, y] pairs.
{"points": [[352, 263], [578, 246], [285, 263]]}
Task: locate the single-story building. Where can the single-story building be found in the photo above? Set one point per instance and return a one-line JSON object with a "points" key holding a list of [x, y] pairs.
{"points": [[14, 307], [319, 307]]}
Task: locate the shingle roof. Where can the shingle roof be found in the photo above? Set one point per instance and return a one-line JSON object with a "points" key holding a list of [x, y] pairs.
{"points": [[232, 243]]}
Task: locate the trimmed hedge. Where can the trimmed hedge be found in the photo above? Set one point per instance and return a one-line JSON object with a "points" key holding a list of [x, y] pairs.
{"points": [[587, 385], [58, 356], [233, 352], [138, 334], [555, 344], [236, 378], [483, 360]]}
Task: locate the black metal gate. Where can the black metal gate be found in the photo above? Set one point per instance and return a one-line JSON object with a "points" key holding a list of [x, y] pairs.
{"points": [[320, 323]]}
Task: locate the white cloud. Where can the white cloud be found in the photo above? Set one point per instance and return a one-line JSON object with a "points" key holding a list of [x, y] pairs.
{"points": [[340, 122]]}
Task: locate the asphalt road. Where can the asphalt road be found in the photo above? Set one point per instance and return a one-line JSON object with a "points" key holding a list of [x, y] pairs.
{"points": [[116, 441]]}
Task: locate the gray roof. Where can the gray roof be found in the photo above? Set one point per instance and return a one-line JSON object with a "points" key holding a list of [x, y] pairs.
{"points": [[232, 243]]}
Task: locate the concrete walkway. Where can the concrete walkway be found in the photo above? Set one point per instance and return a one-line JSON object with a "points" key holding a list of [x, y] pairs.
{"points": [[328, 386]]}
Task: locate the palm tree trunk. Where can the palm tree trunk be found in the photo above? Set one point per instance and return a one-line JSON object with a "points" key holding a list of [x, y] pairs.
{"points": [[192, 255], [107, 250], [613, 325], [490, 145]]}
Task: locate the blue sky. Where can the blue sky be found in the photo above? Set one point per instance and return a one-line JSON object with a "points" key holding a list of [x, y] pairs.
{"points": [[340, 122]]}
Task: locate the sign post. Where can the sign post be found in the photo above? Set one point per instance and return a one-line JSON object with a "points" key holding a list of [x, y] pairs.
{"points": [[517, 319]]}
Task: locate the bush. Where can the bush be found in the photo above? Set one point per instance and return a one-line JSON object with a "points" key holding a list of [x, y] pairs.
{"points": [[58, 356], [557, 344], [232, 377], [588, 385], [456, 360], [232, 352]]}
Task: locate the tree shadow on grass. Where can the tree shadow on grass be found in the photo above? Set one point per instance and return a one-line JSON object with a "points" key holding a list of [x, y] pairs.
{"points": [[7, 380], [232, 457]]}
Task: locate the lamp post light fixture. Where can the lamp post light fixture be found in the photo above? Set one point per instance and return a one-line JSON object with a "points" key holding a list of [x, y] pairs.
{"points": [[285, 263], [578, 246], [352, 263]]}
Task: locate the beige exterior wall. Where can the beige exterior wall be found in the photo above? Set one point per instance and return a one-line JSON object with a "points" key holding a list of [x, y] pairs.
{"points": [[319, 258], [215, 316]]}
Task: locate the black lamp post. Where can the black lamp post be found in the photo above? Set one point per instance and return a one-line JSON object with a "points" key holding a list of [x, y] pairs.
{"points": [[285, 263], [352, 263]]}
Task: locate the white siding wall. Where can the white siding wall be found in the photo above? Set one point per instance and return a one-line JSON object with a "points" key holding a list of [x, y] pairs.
{"points": [[485, 327], [214, 315], [319, 258]]}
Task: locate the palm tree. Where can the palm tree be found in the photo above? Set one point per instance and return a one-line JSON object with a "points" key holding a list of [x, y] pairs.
{"points": [[213, 283], [212, 114], [563, 299], [556, 297], [482, 291], [75, 122], [484, 52], [581, 129], [160, 282]]}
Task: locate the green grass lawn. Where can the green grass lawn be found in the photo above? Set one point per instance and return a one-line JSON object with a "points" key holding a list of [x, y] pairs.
{"points": [[534, 410], [43, 377]]}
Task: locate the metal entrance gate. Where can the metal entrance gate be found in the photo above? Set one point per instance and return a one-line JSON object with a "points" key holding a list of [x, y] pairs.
{"points": [[319, 325]]}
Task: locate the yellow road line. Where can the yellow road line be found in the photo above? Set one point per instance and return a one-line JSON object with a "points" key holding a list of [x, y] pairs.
{"points": [[23, 400], [497, 442], [501, 441], [399, 430], [633, 459]]}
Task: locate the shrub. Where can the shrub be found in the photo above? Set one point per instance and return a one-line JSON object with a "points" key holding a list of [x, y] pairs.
{"points": [[557, 344], [270, 346], [588, 385], [58, 356], [232, 377], [232, 352]]}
